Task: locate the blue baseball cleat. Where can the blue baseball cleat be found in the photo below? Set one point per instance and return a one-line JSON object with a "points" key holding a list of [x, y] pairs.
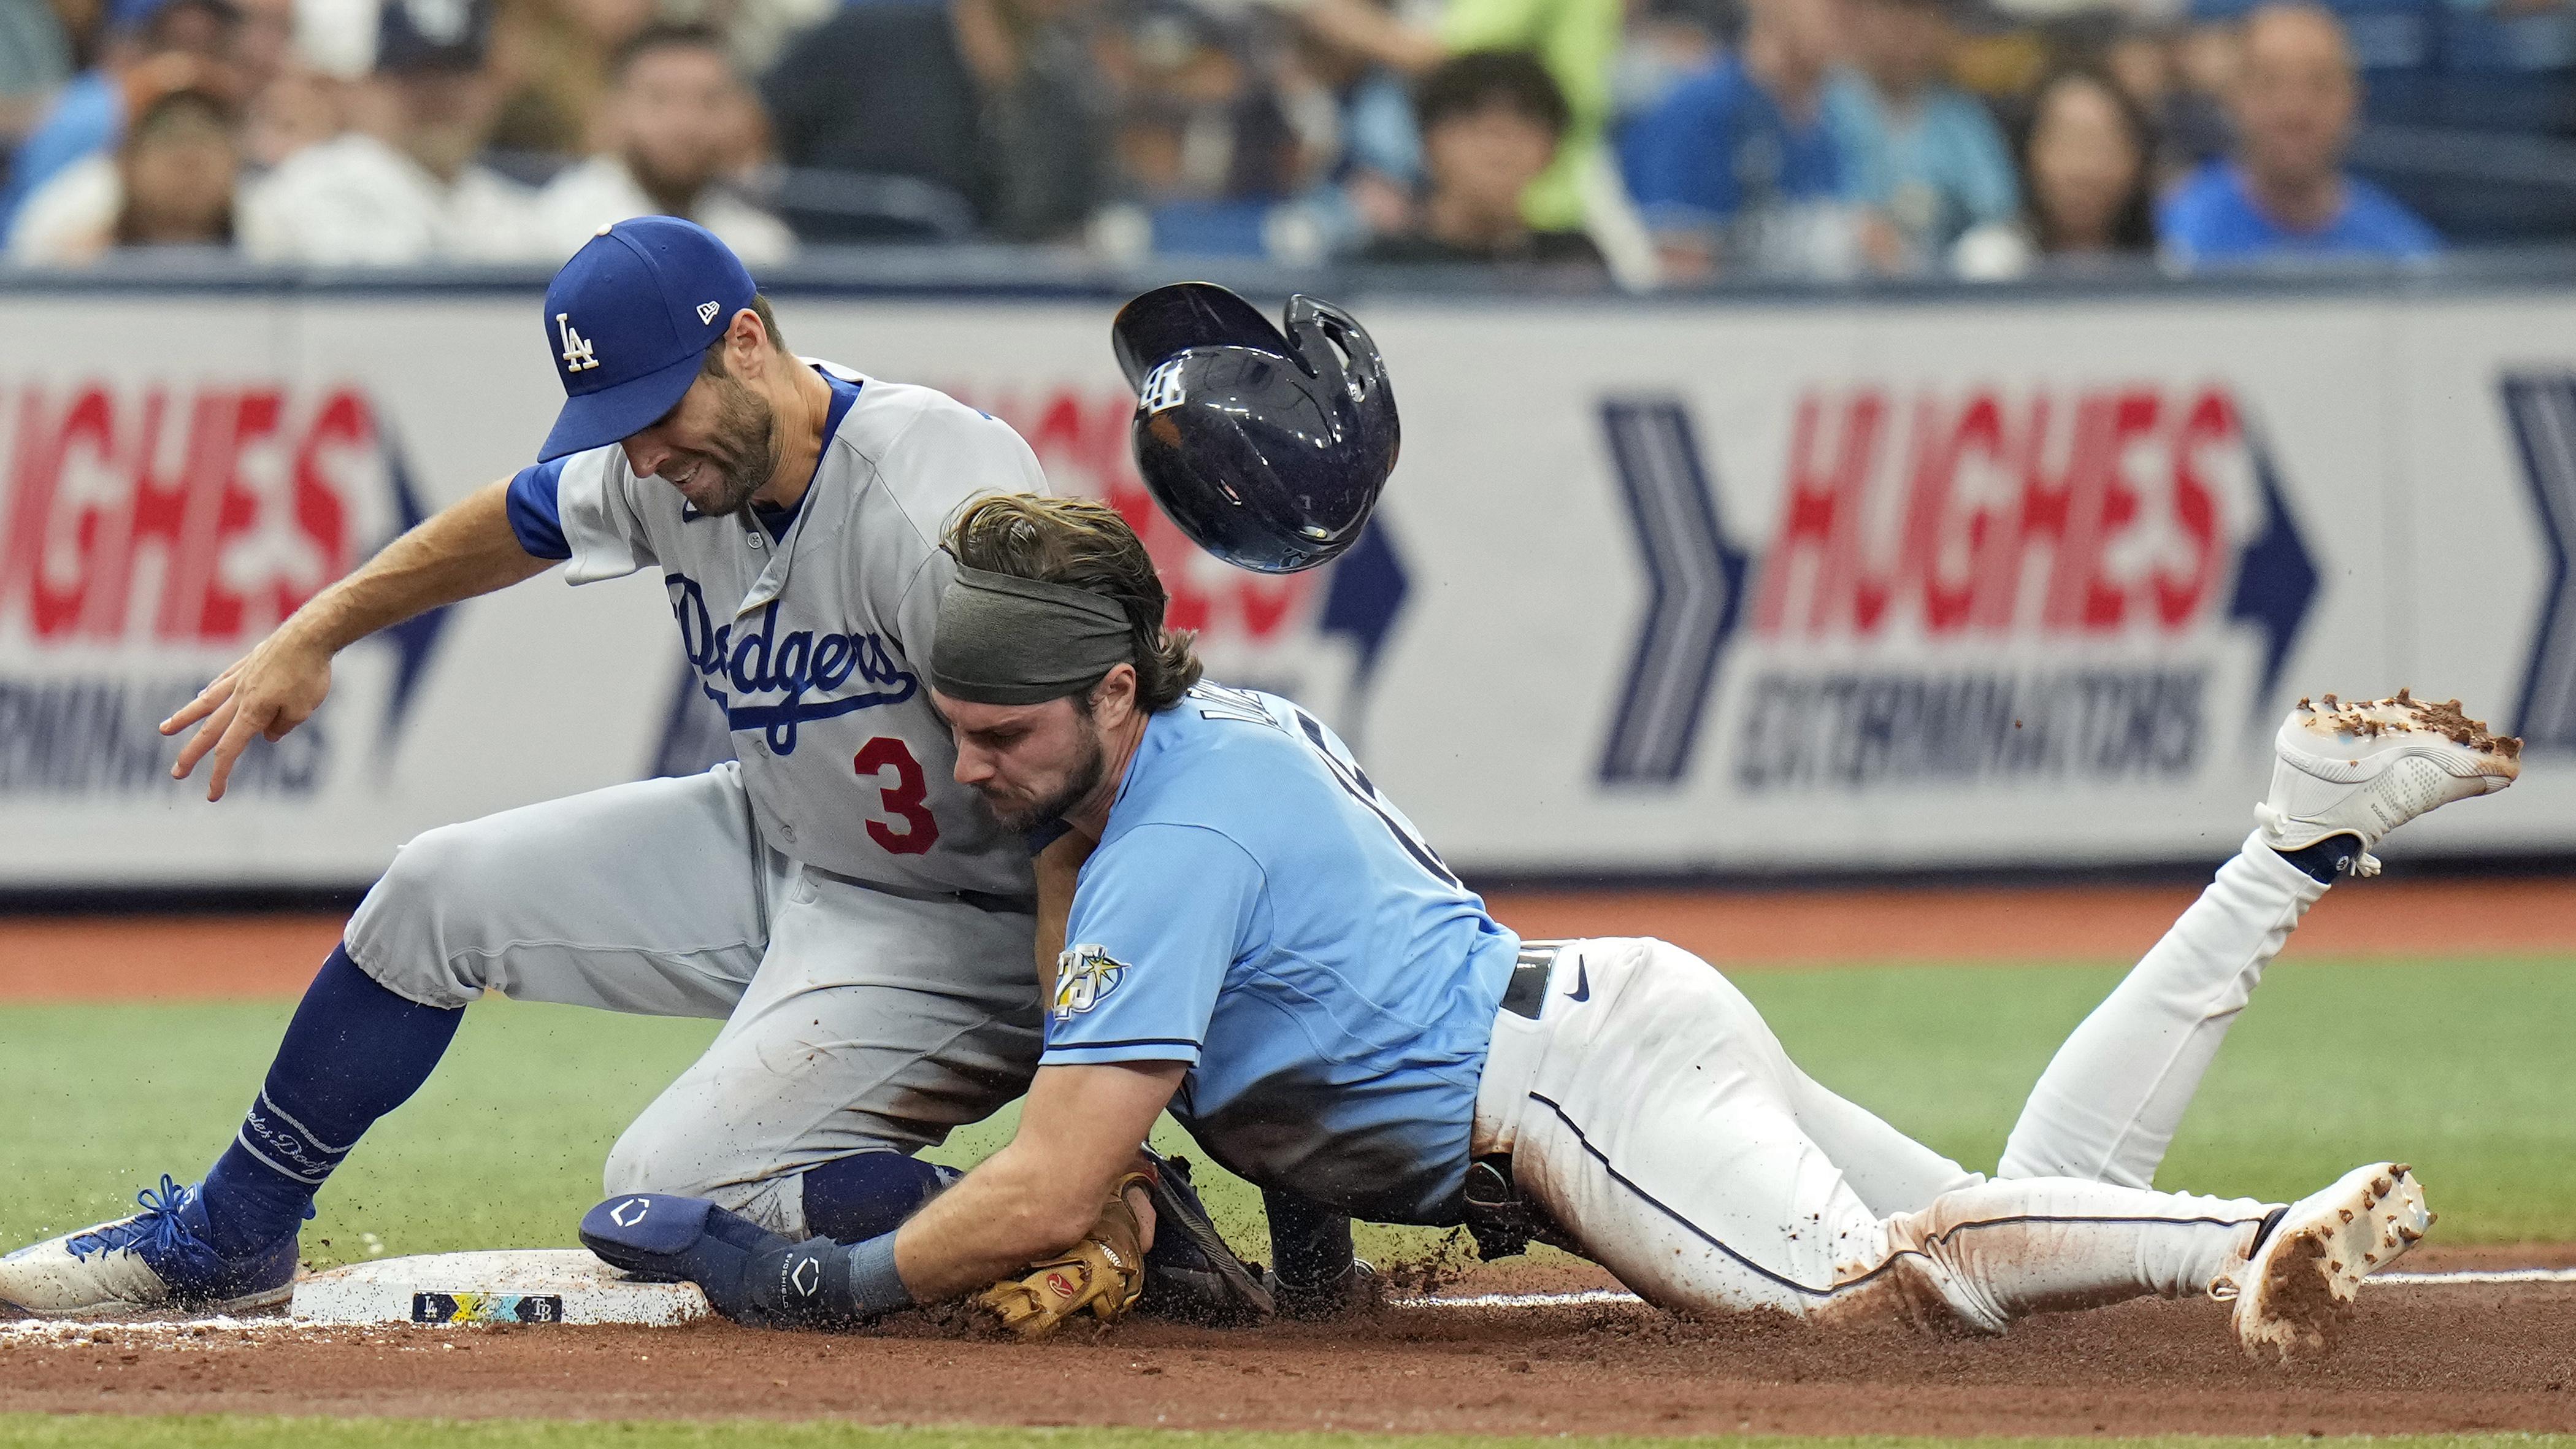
{"points": [[749, 1274], [156, 1259]]}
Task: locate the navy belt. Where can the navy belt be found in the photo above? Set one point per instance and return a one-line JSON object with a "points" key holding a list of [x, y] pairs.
{"points": [[1526, 993]]}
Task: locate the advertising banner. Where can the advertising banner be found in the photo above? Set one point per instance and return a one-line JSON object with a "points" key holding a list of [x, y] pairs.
{"points": [[1674, 589]]}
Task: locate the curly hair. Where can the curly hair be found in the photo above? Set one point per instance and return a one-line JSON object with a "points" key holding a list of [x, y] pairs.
{"points": [[1085, 545]]}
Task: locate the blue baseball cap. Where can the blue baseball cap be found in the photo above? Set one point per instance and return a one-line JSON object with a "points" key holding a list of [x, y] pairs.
{"points": [[629, 319]]}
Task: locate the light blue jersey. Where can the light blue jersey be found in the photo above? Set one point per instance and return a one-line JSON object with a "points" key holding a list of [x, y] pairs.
{"points": [[1258, 910]]}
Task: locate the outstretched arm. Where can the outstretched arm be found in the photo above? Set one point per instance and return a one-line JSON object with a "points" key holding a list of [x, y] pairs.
{"points": [[1079, 1130], [463, 550]]}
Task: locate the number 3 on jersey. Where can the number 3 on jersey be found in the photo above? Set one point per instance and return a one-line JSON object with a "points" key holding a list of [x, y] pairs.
{"points": [[913, 830]]}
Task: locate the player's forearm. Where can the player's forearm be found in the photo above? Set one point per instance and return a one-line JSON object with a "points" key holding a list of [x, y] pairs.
{"points": [[1004, 1215], [1079, 1130], [463, 551]]}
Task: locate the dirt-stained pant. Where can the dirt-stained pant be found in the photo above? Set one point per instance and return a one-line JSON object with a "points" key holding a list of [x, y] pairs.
{"points": [[855, 1019], [1652, 1112]]}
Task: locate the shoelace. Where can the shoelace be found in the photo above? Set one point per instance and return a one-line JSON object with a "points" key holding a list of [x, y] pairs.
{"points": [[158, 1225]]}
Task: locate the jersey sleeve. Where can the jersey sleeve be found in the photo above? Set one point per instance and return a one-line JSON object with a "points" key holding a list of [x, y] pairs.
{"points": [[1159, 916], [535, 514], [946, 458], [603, 533]]}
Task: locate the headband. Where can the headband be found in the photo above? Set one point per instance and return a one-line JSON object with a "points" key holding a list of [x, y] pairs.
{"points": [[1009, 640]]}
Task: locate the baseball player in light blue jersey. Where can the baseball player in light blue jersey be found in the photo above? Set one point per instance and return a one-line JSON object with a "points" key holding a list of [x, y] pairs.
{"points": [[837, 897], [1262, 942]]}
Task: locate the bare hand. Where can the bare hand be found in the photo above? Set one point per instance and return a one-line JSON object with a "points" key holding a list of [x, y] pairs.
{"points": [[267, 692]]}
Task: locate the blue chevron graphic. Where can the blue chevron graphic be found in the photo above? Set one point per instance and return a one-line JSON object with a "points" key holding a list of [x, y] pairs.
{"points": [[2542, 409], [1363, 597], [413, 638], [1695, 589], [1361, 601], [2276, 580]]}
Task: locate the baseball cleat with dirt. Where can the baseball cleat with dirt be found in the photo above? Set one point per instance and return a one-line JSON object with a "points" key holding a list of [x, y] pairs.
{"points": [[157, 1259], [1190, 1272], [2294, 1297], [2364, 768]]}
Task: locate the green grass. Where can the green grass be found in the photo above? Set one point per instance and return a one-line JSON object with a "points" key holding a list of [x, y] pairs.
{"points": [[109, 1432], [2460, 1067]]}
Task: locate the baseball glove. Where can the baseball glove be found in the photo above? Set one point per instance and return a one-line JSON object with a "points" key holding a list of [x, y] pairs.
{"points": [[1104, 1273]]}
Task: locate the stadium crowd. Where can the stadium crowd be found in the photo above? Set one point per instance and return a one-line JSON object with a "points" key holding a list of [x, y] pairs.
{"points": [[1646, 140]]}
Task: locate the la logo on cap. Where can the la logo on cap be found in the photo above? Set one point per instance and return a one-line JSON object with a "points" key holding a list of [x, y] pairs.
{"points": [[577, 352]]}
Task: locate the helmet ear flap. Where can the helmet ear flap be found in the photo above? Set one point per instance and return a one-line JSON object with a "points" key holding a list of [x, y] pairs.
{"points": [[1333, 345], [1338, 350]]}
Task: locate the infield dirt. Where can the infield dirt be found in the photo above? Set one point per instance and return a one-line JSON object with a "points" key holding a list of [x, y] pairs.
{"points": [[2422, 1359]]}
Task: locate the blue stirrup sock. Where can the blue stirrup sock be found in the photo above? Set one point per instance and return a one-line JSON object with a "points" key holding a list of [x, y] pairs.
{"points": [[354, 1052], [855, 1198]]}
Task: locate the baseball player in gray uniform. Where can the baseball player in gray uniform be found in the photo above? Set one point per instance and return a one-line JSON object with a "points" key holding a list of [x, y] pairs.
{"points": [[858, 919]]}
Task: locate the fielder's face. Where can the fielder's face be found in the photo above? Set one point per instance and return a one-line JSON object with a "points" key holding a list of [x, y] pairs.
{"points": [[718, 446], [1030, 762]]}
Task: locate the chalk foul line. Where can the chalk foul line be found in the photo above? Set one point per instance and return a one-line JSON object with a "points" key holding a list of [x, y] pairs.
{"points": [[30, 1330]]}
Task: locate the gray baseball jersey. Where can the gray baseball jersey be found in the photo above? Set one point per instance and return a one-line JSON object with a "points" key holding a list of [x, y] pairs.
{"points": [[856, 916], [813, 642]]}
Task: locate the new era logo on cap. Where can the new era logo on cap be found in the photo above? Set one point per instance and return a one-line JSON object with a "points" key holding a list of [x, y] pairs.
{"points": [[629, 319]]}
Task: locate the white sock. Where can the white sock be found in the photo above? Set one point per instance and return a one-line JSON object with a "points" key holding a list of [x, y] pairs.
{"points": [[2003, 1250], [2106, 1108]]}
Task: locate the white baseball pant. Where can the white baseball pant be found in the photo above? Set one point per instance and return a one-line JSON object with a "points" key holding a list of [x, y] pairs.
{"points": [[1654, 1115]]}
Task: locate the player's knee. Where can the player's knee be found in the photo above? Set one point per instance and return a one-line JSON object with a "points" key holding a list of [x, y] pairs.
{"points": [[646, 1159], [659, 1153], [417, 932]]}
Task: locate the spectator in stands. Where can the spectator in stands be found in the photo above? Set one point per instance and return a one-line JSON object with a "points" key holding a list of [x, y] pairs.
{"points": [[2086, 157], [1919, 154], [1202, 135], [2285, 192], [1578, 41], [756, 31], [170, 184], [154, 45], [1491, 122], [35, 59], [402, 187], [673, 134], [1367, 142], [1737, 172], [1667, 43], [2189, 122], [300, 107], [552, 59], [987, 111]]}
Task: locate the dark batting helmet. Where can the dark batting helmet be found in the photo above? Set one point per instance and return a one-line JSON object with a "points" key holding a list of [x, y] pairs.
{"points": [[1267, 449]]}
